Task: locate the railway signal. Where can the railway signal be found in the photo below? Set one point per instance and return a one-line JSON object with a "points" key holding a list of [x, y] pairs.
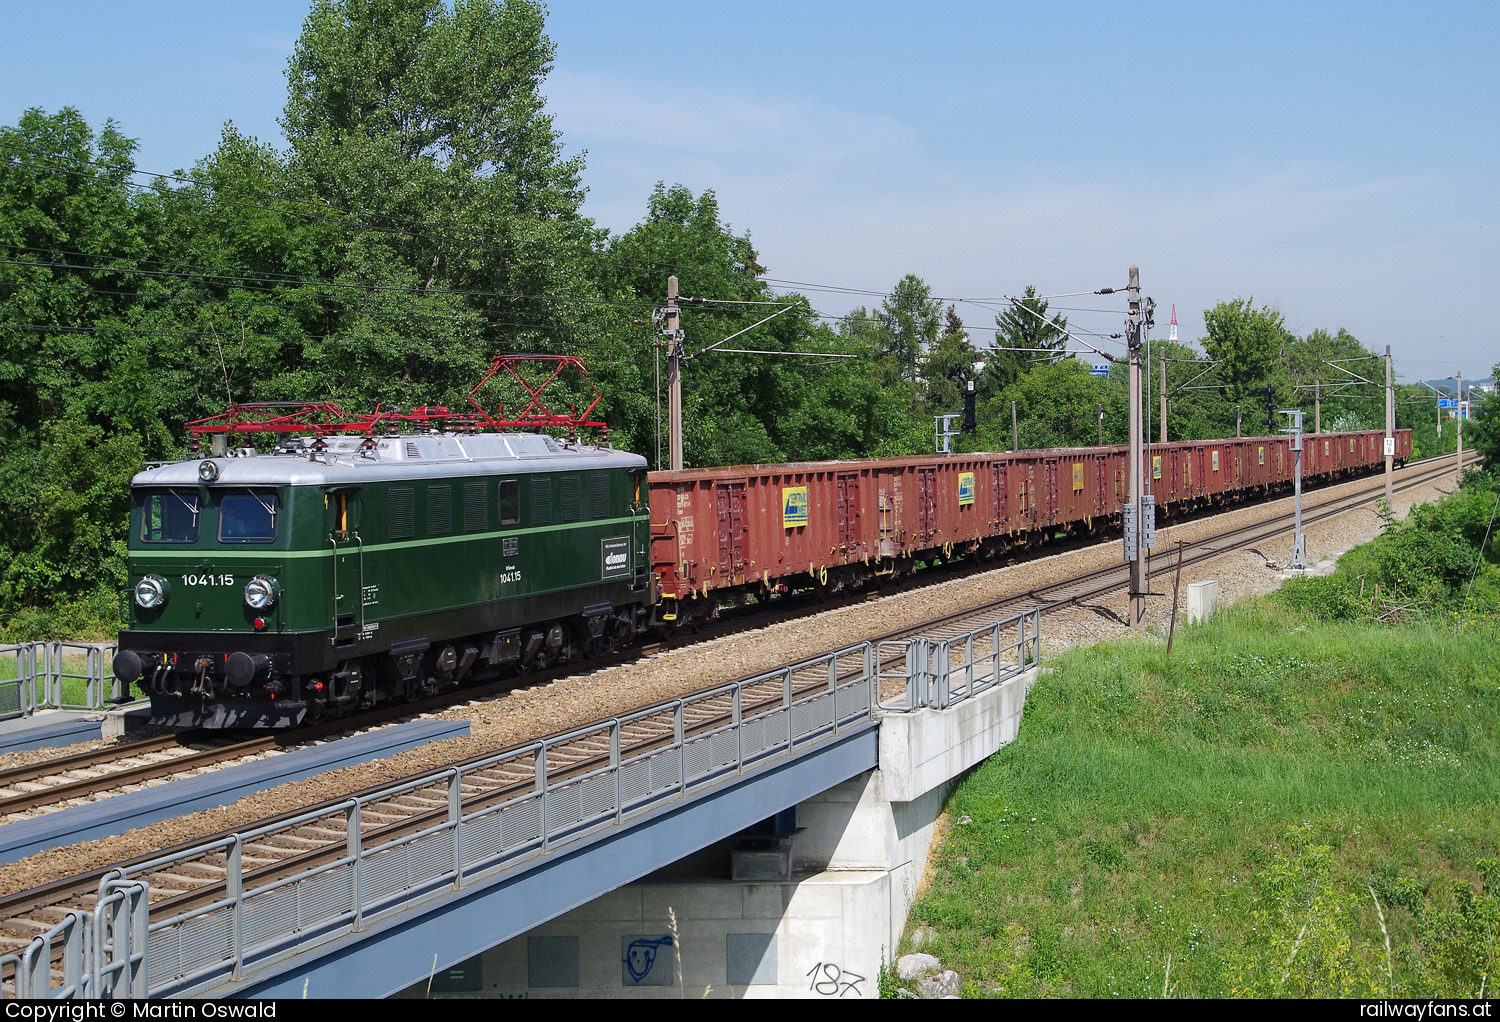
{"points": [[1270, 419]]}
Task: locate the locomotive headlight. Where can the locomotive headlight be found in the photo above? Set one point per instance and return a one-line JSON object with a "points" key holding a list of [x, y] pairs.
{"points": [[150, 592], [208, 471], [261, 592]]}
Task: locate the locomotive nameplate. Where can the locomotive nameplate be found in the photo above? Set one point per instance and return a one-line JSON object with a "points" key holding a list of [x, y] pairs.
{"points": [[614, 554]]}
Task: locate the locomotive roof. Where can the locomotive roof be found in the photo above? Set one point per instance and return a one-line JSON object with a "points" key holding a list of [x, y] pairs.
{"points": [[360, 459]]}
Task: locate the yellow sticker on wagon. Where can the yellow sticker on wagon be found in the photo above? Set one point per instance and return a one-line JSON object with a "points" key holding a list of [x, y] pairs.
{"points": [[793, 506]]}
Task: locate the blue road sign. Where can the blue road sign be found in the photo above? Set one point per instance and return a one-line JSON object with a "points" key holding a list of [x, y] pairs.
{"points": [[1099, 371]]}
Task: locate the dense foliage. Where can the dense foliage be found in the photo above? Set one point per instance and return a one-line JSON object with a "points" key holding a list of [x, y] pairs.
{"points": [[423, 218], [1441, 564]]}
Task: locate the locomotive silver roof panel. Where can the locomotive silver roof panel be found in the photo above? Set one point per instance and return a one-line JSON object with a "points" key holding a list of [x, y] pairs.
{"points": [[350, 460]]}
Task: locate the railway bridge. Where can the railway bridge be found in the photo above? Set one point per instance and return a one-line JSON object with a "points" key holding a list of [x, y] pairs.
{"points": [[773, 851]]}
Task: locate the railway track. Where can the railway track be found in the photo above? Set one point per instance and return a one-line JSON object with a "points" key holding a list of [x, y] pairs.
{"points": [[1096, 584], [100, 772], [320, 834], [109, 770]]}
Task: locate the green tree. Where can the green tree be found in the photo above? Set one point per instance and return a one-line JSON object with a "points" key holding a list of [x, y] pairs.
{"points": [[1056, 406], [910, 320], [77, 395], [428, 125], [1195, 411], [1483, 429], [772, 405], [949, 366], [1247, 342], [717, 269], [1025, 337]]}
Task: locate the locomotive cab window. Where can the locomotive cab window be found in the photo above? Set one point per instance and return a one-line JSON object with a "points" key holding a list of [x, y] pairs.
{"points": [[169, 516], [249, 516]]}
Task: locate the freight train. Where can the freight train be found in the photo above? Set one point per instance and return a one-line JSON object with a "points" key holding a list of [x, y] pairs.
{"points": [[344, 568], [719, 533]]}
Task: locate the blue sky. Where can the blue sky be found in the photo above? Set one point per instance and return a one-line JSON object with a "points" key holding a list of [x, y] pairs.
{"points": [[1333, 160]]}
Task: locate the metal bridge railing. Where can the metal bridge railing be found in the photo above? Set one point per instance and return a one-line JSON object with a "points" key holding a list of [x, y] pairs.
{"points": [[37, 675], [124, 949], [941, 672]]}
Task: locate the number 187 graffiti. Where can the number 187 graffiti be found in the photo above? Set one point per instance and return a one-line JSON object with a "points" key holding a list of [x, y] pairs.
{"points": [[832, 981]]}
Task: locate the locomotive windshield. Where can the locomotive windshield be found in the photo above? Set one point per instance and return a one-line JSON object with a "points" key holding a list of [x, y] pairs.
{"points": [[169, 516], [248, 517]]}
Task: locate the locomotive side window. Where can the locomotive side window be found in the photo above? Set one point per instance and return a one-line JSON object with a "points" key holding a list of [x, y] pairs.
{"points": [[510, 502], [169, 516], [248, 517]]}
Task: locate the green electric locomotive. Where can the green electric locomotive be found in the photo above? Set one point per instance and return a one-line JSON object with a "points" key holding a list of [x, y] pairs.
{"points": [[336, 572]]}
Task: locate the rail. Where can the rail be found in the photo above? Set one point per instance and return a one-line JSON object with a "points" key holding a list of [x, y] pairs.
{"points": [[121, 950], [53, 675]]}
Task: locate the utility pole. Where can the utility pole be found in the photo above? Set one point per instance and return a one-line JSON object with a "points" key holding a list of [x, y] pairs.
{"points": [[1164, 389], [1136, 528], [1317, 404], [1015, 443], [1390, 431], [1459, 419], [673, 333]]}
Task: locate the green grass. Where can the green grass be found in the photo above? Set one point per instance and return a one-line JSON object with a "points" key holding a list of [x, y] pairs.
{"points": [[74, 690], [1187, 825]]}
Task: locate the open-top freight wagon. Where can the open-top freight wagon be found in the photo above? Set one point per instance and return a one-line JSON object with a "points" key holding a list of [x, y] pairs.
{"points": [[762, 529]]}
